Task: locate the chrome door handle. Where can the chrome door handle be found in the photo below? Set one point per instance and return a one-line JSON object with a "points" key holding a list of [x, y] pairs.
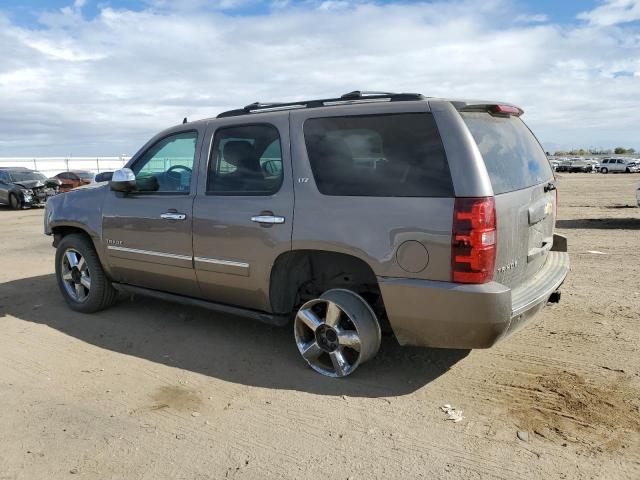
{"points": [[173, 216], [268, 219]]}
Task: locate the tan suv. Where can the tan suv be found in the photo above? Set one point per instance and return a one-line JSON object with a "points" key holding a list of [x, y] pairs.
{"points": [[432, 217]]}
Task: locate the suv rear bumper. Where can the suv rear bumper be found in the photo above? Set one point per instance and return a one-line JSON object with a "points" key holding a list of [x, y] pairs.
{"points": [[452, 315]]}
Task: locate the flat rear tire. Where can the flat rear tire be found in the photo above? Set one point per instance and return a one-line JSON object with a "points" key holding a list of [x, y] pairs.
{"points": [[337, 332]]}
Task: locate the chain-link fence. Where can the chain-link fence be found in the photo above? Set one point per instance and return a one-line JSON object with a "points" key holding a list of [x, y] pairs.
{"points": [[51, 166]]}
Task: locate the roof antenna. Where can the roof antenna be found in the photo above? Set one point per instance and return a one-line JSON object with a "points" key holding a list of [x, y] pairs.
{"points": [[184, 120]]}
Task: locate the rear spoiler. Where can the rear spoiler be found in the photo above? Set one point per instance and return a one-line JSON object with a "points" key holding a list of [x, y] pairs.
{"points": [[494, 108]]}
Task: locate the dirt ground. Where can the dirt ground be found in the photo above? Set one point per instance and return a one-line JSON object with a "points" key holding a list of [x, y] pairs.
{"points": [[150, 390]]}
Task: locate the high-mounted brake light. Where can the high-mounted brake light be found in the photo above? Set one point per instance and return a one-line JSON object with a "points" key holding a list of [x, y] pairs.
{"points": [[506, 110], [473, 240]]}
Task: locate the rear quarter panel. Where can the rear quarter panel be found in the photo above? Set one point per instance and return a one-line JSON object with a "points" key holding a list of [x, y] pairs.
{"points": [[369, 228]]}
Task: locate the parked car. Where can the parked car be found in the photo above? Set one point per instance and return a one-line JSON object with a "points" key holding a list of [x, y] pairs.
{"points": [[579, 165], [634, 166], [74, 178], [431, 216], [615, 165], [21, 187], [564, 166]]}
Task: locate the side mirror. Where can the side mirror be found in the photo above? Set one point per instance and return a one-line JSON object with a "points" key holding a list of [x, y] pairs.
{"points": [[103, 177], [123, 180]]}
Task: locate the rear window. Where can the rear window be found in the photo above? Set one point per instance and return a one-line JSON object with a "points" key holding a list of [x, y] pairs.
{"points": [[512, 155], [399, 155]]}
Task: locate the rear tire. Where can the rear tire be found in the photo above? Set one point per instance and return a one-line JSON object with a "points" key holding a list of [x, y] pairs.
{"points": [[80, 276], [337, 332], [14, 203]]}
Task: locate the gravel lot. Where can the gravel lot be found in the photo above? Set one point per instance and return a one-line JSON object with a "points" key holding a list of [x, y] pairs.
{"points": [[150, 390]]}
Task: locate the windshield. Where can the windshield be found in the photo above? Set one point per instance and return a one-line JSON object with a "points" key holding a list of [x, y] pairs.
{"points": [[86, 175], [25, 176]]}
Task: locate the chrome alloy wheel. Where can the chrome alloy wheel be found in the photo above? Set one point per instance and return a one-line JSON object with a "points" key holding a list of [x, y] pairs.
{"points": [[336, 332], [75, 275]]}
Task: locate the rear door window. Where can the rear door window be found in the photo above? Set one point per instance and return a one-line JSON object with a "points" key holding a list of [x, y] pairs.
{"points": [[512, 155], [396, 155], [245, 160]]}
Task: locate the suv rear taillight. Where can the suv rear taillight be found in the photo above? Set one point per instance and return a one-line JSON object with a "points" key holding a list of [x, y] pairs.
{"points": [[473, 240]]}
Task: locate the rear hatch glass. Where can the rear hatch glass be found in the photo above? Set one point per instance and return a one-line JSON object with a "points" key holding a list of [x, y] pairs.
{"points": [[514, 158], [525, 213]]}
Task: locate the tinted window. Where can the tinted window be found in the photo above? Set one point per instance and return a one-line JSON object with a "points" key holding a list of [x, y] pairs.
{"points": [[514, 158], [620, 161], [167, 166], [378, 155], [245, 160]]}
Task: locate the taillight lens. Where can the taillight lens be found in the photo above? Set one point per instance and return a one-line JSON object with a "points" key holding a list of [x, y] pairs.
{"points": [[473, 240]]}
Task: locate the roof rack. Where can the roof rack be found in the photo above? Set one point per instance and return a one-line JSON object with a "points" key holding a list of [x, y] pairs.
{"points": [[357, 96]]}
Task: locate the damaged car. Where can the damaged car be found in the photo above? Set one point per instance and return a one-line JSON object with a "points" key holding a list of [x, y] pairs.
{"points": [[431, 219], [21, 187]]}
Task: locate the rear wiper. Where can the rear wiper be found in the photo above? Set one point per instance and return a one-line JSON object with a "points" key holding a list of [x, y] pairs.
{"points": [[549, 187]]}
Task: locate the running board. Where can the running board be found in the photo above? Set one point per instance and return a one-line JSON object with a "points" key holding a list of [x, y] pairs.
{"points": [[269, 318]]}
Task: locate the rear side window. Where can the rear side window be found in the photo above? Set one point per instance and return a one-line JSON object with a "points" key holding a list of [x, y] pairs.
{"points": [[399, 155], [245, 160], [512, 155]]}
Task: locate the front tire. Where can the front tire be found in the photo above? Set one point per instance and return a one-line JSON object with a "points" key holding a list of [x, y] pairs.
{"points": [[604, 170], [80, 276], [337, 332], [14, 202]]}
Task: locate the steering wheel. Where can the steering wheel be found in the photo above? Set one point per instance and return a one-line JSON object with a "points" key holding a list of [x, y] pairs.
{"points": [[172, 168], [174, 174]]}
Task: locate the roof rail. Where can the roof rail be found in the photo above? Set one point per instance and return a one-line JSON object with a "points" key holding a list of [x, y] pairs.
{"points": [[357, 96]]}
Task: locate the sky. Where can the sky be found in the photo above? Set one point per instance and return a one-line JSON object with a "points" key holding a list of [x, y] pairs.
{"points": [[100, 77]]}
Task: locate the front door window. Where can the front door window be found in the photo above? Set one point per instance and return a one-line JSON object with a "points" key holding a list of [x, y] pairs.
{"points": [[167, 166]]}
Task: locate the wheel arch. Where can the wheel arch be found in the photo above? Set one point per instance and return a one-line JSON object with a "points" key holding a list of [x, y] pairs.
{"points": [[298, 275], [61, 230]]}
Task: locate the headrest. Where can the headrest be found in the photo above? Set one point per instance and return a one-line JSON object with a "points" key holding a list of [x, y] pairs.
{"points": [[242, 155]]}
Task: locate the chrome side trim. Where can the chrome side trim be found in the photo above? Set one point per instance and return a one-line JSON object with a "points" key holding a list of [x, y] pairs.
{"points": [[150, 252], [217, 261]]}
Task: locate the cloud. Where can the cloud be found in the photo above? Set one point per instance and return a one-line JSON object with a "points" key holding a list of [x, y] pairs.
{"points": [[104, 85], [613, 12]]}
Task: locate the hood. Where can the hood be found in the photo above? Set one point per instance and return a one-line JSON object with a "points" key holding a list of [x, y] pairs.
{"points": [[89, 186], [30, 183]]}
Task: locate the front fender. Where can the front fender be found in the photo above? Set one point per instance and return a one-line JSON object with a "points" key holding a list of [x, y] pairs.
{"points": [[79, 209]]}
